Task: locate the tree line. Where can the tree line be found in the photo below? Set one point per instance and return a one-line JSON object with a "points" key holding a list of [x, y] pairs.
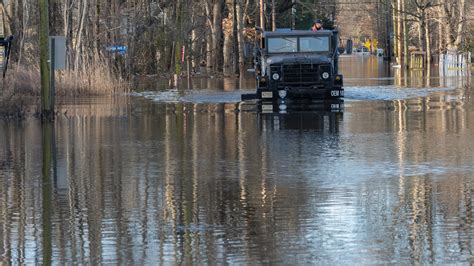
{"points": [[215, 36], [432, 25]]}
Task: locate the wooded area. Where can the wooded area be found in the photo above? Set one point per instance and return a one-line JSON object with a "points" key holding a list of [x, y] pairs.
{"points": [[112, 38], [431, 25]]}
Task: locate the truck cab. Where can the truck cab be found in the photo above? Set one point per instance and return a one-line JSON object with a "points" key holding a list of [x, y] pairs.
{"points": [[293, 65]]}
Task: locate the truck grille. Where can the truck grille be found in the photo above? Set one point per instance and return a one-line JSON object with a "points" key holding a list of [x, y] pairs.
{"points": [[300, 73]]}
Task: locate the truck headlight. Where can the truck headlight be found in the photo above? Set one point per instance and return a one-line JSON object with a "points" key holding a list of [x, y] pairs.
{"points": [[325, 75], [282, 93], [276, 76]]}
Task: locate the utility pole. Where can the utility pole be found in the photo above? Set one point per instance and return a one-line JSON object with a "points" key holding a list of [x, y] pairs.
{"points": [[262, 14], [47, 108]]}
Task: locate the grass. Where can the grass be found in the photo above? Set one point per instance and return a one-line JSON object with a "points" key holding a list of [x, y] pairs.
{"points": [[20, 90], [17, 93], [94, 80]]}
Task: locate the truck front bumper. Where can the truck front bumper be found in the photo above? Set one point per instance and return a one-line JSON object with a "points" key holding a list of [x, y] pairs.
{"points": [[299, 93]]}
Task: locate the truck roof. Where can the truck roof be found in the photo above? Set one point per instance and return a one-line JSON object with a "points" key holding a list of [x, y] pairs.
{"points": [[279, 33]]}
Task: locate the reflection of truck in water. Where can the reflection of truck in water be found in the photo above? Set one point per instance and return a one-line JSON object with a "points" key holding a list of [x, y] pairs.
{"points": [[295, 65], [312, 120]]}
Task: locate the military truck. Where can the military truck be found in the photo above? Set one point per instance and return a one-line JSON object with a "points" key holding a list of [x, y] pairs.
{"points": [[293, 66]]}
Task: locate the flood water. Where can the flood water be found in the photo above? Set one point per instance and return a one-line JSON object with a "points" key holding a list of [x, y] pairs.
{"points": [[189, 177]]}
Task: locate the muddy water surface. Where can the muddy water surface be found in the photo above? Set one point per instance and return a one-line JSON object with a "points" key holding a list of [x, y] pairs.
{"points": [[187, 177]]}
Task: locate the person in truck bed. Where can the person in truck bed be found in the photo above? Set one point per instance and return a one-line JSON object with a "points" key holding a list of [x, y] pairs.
{"points": [[317, 25]]}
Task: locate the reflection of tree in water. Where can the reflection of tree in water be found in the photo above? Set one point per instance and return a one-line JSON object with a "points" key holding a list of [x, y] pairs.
{"points": [[228, 196], [202, 183], [46, 189]]}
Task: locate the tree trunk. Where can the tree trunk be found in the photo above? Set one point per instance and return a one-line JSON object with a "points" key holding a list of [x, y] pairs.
{"points": [[179, 38], [197, 51], [428, 43], [55, 22], [388, 45], [216, 34], [227, 67], [449, 27], [23, 14], [9, 12], [235, 45], [461, 22], [293, 15], [421, 33], [405, 36], [97, 28], [395, 30], [274, 25], [214, 51], [240, 36], [79, 34], [440, 31], [68, 21], [194, 48], [399, 32], [209, 62], [228, 38]]}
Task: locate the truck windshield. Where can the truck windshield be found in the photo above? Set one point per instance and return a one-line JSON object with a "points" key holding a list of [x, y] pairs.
{"points": [[283, 45], [314, 44], [298, 44]]}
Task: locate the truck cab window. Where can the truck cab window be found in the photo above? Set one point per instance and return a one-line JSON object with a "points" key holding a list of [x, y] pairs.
{"points": [[314, 44], [282, 45]]}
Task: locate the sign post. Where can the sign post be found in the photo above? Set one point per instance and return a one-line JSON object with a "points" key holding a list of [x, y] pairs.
{"points": [[57, 52]]}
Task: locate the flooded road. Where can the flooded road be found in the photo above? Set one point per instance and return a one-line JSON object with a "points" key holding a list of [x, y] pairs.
{"points": [[181, 177]]}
